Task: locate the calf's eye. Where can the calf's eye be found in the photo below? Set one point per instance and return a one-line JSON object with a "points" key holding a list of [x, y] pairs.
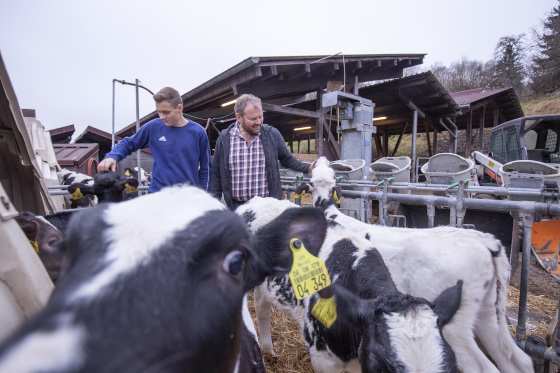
{"points": [[234, 262]]}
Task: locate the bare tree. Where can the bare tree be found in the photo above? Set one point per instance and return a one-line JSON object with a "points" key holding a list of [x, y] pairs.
{"points": [[462, 75]]}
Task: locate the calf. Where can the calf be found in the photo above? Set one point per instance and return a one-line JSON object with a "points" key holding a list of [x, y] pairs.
{"points": [[46, 234], [144, 177], [67, 177], [156, 284], [423, 262], [107, 187], [46, 239], [354, 263]]}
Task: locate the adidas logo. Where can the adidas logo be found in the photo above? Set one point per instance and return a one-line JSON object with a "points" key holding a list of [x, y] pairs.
{"points": [[162, 138]]}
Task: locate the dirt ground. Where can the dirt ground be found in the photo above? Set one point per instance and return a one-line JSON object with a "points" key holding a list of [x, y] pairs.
{"points": [[542, 301]]}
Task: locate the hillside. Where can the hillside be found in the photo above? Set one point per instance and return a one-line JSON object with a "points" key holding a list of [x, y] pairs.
{"points": [[547, 105]]}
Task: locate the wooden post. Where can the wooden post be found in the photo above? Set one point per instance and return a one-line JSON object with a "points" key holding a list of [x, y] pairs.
{"points": [[430, 153], [469, 135], [378, 143], [386, 141], [399, 139], [319, 125], [481, 137], [435, 141]]}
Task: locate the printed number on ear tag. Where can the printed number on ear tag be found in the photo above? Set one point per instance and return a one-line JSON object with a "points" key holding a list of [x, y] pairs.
{"points": [[325, 311], [77, 194], [308, 274]]}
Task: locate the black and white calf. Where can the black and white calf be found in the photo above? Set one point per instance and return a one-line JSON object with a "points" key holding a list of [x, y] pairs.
{"points": [[156, 284], [354, 263], [107, 187], [424, 262], [67, 177], [144, 177]]}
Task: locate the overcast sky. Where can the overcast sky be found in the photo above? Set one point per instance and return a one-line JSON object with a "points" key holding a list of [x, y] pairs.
{"points": [[62, 56]]}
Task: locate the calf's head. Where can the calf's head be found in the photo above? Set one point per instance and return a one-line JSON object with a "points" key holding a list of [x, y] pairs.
{"points": [[322, 185], [401, 333], [159, 281], [47, 238], [108, 187]]}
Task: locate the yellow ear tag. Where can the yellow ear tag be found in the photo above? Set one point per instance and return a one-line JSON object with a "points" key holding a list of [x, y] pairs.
{"points": [[308, 274], [130, 189], [35, 246], [325, 311], [335, 197], [127, 173], [77, 194], [299, 195]]}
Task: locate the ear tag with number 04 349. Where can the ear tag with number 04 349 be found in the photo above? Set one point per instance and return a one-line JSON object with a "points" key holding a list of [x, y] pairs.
{"points": [[308, 274]]}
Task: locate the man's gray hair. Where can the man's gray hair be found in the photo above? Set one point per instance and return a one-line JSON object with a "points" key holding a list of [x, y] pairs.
{"points": [[245, 100]]}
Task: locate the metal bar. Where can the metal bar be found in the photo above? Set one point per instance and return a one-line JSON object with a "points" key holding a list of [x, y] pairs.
{"points": [[496, 191], [113, 126], [414, 132], [530, 207], [521, 331], [460, 212], [138, 128]]}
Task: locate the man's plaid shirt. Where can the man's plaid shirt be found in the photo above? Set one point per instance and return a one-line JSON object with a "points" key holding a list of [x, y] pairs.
{"points": [[247, 166]]}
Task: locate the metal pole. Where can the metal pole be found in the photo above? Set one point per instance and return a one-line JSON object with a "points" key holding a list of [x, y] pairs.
{"points": [[414, 132], [137, 129], [113, 127], [524, 285]]}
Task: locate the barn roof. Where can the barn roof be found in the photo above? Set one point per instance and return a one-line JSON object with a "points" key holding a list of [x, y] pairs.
{"points": [[495, 106], [284, 80]]}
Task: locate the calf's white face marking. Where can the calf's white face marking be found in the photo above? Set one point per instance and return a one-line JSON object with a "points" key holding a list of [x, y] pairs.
{"points": [[417, 339], [138, 227]]}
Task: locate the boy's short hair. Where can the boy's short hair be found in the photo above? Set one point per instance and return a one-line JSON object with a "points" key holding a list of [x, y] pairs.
{"points": [[170, 95]]}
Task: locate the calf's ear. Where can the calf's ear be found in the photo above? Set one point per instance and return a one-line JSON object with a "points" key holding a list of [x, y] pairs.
{"points": [[78, 190], [307, 224], [28, 223], [448, 302], [302, 188], [131, 185], [350, 307], [336, 195]]}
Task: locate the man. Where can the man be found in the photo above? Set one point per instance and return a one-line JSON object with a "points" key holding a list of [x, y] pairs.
{"points": [[246, 157], [180, 147]]}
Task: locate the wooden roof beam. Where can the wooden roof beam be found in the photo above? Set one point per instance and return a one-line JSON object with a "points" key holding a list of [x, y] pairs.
{"points": [[408, 102], [294, 111], [437, 107], [334, 68], [265, 89], [223, 86], [304, 70]]}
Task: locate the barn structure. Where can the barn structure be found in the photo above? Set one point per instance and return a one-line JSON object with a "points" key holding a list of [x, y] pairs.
{"points": [[291, 89]]}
